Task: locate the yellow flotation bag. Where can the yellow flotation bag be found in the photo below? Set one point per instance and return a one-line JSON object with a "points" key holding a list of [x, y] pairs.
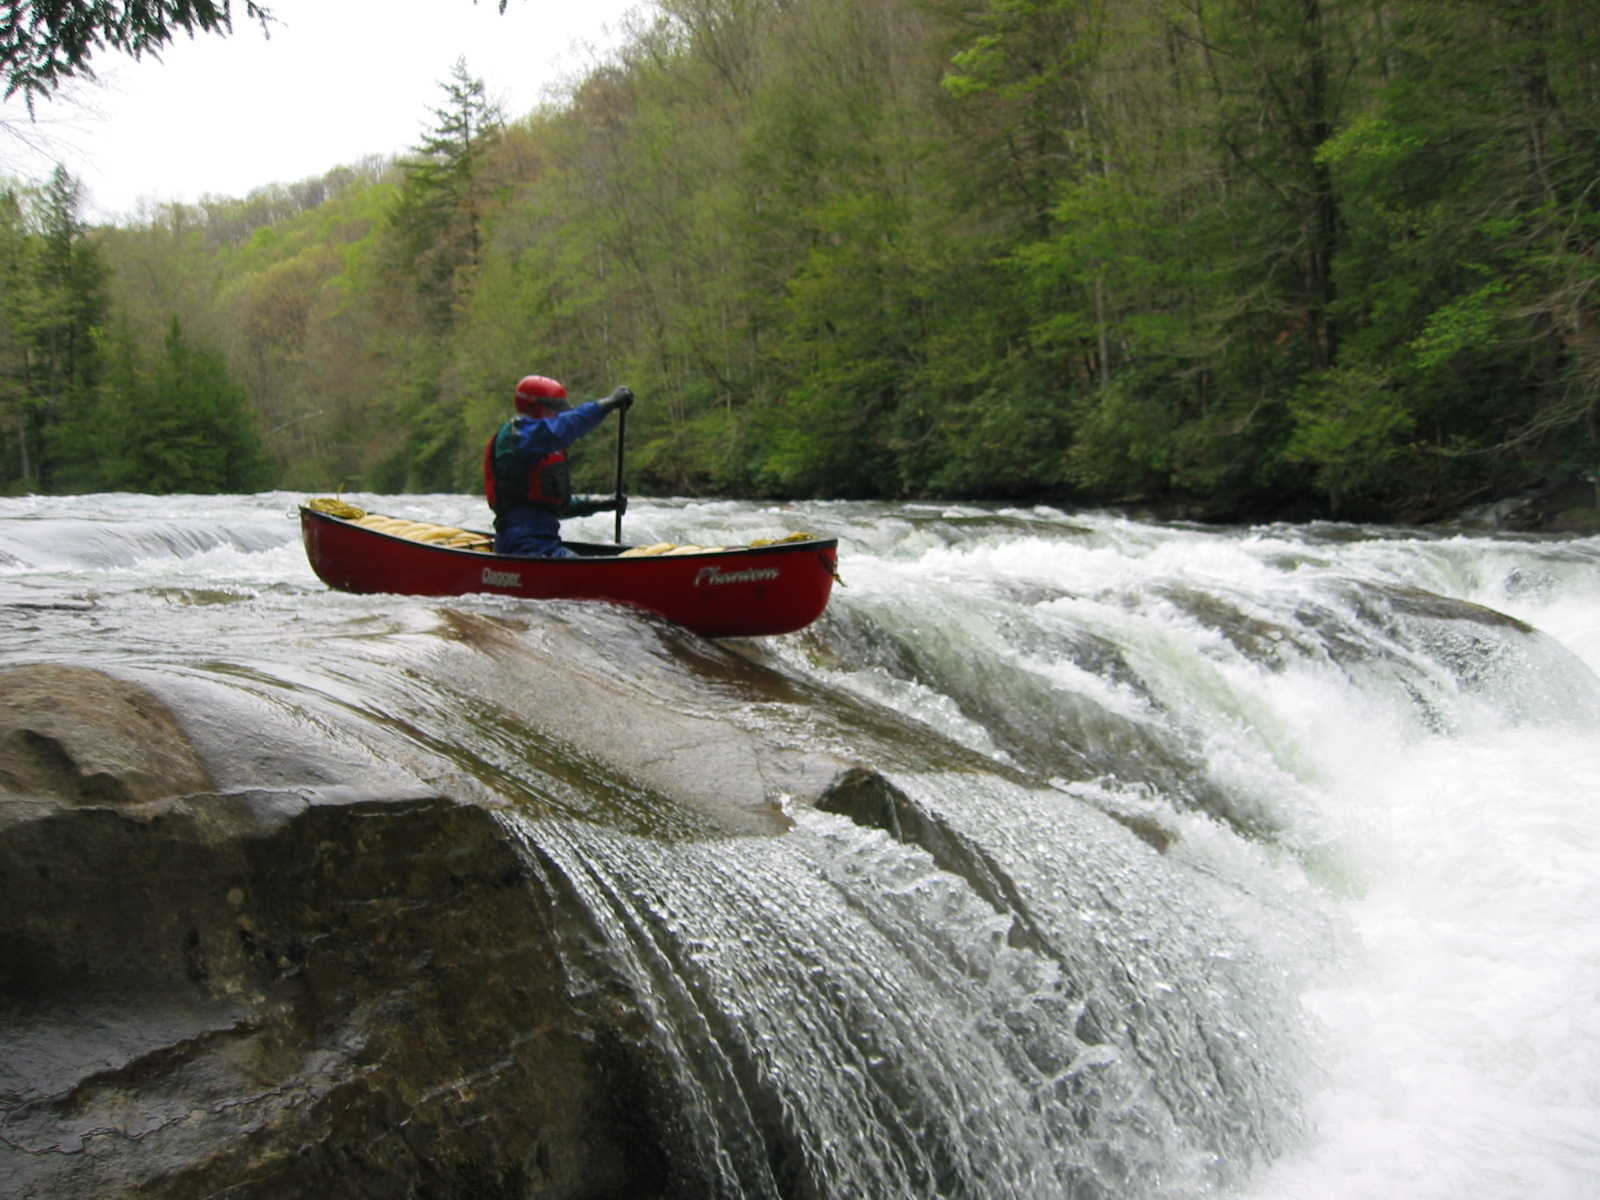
{"points": [[464, 539], [661, 548], [416, 531], [335, 507]]}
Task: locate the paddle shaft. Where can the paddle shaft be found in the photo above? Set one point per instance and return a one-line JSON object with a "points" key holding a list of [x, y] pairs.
{"points": [[622, 440]]}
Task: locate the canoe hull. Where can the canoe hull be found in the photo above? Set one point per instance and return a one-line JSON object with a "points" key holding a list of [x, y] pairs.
{"points": [[753, 592]]}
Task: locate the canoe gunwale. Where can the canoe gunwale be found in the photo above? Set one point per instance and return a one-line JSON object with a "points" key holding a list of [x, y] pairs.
{"points": [[597, 552], [749, 591]]}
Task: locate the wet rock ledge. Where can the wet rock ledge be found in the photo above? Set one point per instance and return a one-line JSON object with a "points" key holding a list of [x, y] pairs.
{"points": [[282, 992]]}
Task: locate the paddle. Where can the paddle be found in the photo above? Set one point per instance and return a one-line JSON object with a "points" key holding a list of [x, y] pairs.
{"points": [[622, 437]]}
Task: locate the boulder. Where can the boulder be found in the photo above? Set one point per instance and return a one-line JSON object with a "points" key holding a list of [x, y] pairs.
{"points": [[281, 935], [298, 989], [260, 943], [280, 993], [87, 738]]}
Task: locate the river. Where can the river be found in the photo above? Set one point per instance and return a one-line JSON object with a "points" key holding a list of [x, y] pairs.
{"points": [[1366, 962]]}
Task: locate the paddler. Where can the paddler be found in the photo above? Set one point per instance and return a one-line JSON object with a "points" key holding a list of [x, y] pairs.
{"points": [[525, 469]]}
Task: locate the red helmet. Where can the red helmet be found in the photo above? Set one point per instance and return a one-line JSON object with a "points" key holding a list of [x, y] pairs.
{"points": [[536, 391]]}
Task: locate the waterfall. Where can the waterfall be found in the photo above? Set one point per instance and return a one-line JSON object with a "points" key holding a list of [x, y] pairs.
{"points": [[1387, 740], [1169, 861]]}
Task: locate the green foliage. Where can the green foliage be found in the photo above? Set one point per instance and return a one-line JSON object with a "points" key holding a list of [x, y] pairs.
{"points": [[184, 425], [436, 219], [1245, 257], [1352, 427], [52, 315], [1464, 324]]}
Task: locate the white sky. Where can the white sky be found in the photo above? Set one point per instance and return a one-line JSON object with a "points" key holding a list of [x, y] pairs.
{"points": [[336, 81]]}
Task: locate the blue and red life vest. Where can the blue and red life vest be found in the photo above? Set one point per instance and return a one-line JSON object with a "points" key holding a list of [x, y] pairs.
{"points": [[510, 478]]}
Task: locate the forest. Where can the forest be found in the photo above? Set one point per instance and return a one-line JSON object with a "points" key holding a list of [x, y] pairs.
{"points": [[1242, 259]]}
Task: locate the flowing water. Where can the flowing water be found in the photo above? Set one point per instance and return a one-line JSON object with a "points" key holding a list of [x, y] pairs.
{"points": [[1366, 962]]}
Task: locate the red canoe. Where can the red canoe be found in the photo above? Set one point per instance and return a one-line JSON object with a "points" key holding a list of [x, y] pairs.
{"points": [[743, 592]]}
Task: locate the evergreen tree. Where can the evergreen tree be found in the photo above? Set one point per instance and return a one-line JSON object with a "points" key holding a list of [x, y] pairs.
{"points": [[438, 215], [436, 241], [185, 426], [47, 43], [52, 313], [16, 447]]}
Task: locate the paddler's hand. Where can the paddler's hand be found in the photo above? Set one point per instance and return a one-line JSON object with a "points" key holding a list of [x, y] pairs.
{"points": [[621, 399], [588, 506]]}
